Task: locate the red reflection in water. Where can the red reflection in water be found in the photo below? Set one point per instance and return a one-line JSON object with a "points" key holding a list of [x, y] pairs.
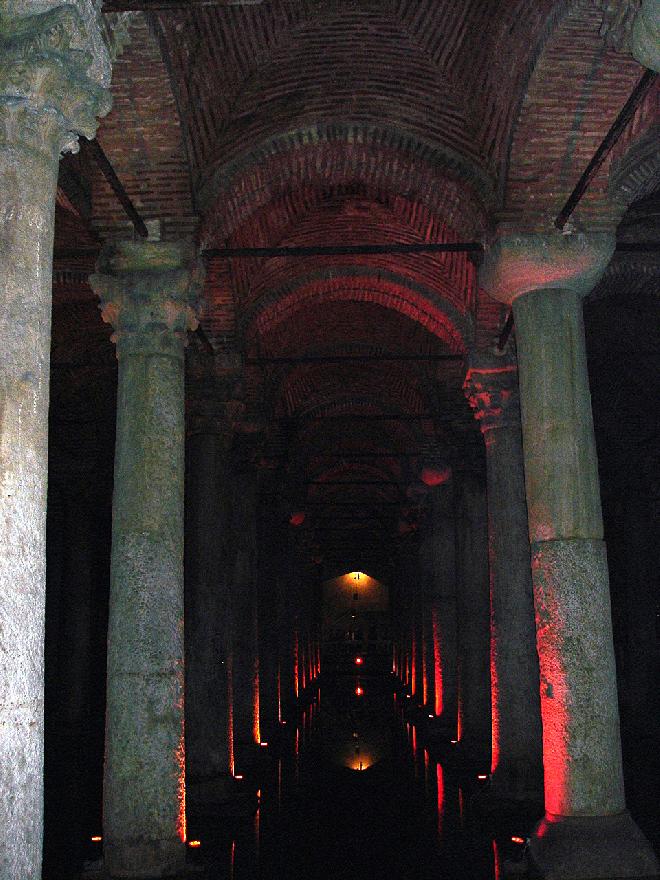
{"points": [[440, 777], [296, 676], [497, 862], [413, 666]]}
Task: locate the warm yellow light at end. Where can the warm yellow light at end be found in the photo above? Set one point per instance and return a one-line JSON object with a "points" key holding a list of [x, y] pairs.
{"points": [[97, 838]]}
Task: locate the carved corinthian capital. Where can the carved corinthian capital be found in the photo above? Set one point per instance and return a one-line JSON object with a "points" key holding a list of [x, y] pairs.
{"points": [[47, 96]]}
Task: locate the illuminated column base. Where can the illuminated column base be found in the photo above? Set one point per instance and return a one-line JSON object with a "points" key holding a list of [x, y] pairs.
{"points": [[146, 290]]}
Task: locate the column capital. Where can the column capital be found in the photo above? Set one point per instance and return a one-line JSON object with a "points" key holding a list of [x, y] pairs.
{"points": [[148, 292], [646, 35], [521, 262], [491, 388], [48, 97]]}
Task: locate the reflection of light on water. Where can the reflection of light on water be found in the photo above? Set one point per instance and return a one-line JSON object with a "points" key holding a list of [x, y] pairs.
{"points": [[440, 777], [232, 860], [497, 861]]}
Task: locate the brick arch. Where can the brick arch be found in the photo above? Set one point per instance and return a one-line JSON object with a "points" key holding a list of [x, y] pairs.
{"points": [[574, 93], [635, 172], [391, 160], [361, 284]]}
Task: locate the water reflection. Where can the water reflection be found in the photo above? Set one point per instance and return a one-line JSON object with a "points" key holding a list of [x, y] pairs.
{"points": [[356, 790]]}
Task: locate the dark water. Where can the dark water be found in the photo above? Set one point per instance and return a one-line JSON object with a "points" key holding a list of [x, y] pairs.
{"points": [[354, 791]]}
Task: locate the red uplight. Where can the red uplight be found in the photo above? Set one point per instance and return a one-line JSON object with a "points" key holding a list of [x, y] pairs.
{"points": [[359, 661], [263, 745], [359, 691], [517, 840], [238, 776], [482, 777], [297, 519], [97, 838], [194, 843]]}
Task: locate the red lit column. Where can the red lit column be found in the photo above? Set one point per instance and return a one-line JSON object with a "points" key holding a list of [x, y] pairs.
{"points": [[586, 831], [473, 611], [491, 387], [147, 290], [441, 608], [207, 599]]}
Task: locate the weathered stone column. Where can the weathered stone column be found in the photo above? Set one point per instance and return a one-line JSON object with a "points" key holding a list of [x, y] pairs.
{"points": [[51, 91], [208, 552], [586, 831], [473, 611], [491, 387], [146, 291]]}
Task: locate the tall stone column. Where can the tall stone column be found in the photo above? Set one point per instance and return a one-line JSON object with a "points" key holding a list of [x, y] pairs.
{"points": [[491, 387], [207, 597], [245, 632], [441, 598], [146, 290], [586, 831], [50, 93], [473, 611]]}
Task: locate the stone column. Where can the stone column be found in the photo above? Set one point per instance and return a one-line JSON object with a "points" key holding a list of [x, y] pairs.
{"points": [[245, 633], [50, 93], [473, 609], [491, 387], [146, 291], [207, 598], [443, 631], [586, 831]]}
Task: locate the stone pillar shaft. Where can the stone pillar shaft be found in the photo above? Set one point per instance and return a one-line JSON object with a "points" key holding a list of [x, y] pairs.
{"points": [[586, 832], [516, 763], [46, 100], [473, 607], [146, 291], [207, 610], [441, 600], [583, 774]]}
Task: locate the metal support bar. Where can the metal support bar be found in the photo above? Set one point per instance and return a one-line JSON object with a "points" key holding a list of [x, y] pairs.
{"points": [[342, 250], [337, 359], [506, 332], [116, 185], [620, 123]]}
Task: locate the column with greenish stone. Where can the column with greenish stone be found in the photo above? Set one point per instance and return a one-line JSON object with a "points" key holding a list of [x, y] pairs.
{"points": [[586, 831], [491, 386], [51, 91], [147, 291]]}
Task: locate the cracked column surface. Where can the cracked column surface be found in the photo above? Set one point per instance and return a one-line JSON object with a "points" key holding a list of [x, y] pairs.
{"points": [[586, 831], [491, 387], [51, 91], [146, 290]]}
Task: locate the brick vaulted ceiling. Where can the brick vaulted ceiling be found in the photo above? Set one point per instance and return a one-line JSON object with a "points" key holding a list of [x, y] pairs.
{"points": [[306, 122]]}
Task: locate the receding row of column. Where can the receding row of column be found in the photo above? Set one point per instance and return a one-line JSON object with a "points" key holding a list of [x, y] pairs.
{"points": [[554, 711]]}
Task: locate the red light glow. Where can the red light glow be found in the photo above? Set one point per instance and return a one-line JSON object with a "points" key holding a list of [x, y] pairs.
{"points": [[238, 775], [482, 777], [440, 776], [297, 519], [194, 843], [359, 691], [264, 745], [181, 761], [518, 840], [97, 838], [359, 661], [435, 476]]}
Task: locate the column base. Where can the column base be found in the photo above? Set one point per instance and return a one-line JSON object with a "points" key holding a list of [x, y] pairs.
{"points": [[590, 848], [220, 797], [144, 859]]}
